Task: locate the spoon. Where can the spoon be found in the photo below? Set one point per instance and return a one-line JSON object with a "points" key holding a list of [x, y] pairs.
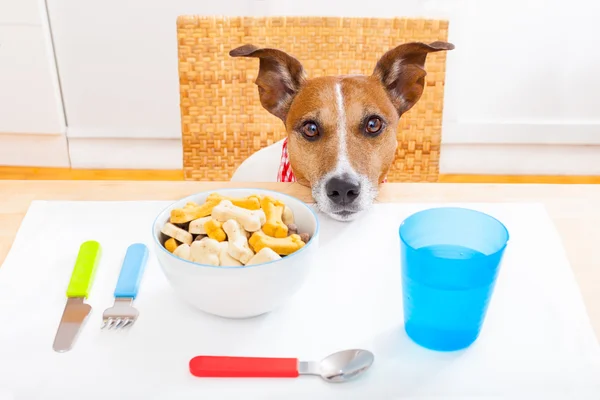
{"points": [[337, 367]]}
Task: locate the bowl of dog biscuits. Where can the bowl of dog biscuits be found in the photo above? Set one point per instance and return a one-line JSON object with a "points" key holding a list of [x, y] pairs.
{"points": [[236, 253]]}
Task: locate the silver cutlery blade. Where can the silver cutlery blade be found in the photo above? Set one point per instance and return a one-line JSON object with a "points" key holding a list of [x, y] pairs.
{"points": [[73, 318]]}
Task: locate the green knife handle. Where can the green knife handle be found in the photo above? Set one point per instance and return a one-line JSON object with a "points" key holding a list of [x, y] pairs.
{"points": [[85, 269]]}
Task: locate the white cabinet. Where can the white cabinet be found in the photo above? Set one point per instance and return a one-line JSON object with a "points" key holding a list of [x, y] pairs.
{"points": [[32, 125], [119, 75], [29, 91], [21, 12]]}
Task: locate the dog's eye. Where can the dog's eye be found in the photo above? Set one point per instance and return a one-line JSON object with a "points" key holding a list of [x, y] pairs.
{"points": [[374, 125], [310, 130]]}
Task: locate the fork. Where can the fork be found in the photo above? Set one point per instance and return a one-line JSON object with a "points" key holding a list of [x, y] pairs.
{"points": [[122, 314]]}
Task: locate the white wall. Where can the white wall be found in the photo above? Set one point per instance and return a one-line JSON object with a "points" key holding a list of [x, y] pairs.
{"points": [[522, 83]]}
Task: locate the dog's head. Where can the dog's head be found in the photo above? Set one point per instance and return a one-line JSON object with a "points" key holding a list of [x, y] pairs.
{"points": [[341, 129]]}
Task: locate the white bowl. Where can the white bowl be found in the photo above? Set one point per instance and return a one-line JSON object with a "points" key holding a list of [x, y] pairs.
{"points": [[240, 292]]}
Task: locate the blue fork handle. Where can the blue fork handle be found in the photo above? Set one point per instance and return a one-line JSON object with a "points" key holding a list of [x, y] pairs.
{"points": [[132, 271]]}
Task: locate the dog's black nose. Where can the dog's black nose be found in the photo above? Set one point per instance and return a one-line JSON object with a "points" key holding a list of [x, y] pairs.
{"points": [[342, 191]]}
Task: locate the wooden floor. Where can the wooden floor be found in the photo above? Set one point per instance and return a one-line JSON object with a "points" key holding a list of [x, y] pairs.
{"points": [[34, 173]]}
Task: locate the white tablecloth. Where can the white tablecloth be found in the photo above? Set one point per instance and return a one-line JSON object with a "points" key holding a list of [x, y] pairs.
{"points": [[537, 341]]}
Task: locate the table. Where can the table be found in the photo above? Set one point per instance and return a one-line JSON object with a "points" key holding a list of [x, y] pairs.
{"points": [[575, 210]]}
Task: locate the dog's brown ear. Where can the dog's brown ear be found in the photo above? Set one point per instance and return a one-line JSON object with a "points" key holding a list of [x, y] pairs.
{"points": [[401, 71], [280, 76]]}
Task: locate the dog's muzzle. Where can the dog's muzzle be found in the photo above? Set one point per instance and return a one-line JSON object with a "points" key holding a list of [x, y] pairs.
{"points": [[344, 196]]}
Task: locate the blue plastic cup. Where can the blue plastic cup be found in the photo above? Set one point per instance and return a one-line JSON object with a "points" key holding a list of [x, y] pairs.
{"points": [[450, 260]]}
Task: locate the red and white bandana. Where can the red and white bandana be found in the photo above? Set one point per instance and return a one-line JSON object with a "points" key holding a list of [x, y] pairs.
{"points": [[285, 169], [285, 173]]}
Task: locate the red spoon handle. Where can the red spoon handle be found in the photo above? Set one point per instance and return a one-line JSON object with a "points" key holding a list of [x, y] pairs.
{"points": [[243, 367]]}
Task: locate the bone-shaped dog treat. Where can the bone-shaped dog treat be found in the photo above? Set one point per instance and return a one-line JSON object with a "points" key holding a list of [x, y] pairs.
{"points": [[225, 259], [183, 251], [261, 216], [250, 203], [192, 211], [171, 245], [273, 209], [177, 233], [249, 220], [263, 256], [288, 216], [283, 246], [214, 230], [197, 226], [205, 251], [238, 241]]}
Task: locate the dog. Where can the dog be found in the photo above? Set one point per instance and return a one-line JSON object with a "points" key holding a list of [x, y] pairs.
{"points": [[341, 130]]}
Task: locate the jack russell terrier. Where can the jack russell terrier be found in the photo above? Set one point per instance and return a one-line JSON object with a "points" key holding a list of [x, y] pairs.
{"points": [[341, 130]]}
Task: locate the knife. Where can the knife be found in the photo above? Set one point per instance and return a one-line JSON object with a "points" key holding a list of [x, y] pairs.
{"points": [[76, 311]]}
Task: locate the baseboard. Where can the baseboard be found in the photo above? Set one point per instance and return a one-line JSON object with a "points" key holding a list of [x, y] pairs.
{"points": [[43, 150], [113, 153], [132, 133], [520, 159]]}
